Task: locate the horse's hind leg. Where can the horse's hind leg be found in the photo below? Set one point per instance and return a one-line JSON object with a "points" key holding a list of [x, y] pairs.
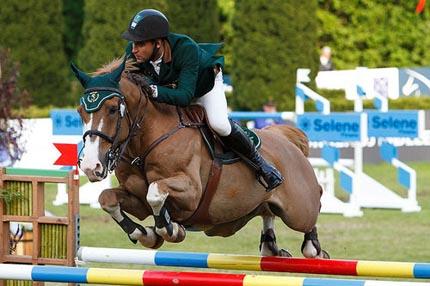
{"points": [[311, 246], [115, 201], [268, 246]]}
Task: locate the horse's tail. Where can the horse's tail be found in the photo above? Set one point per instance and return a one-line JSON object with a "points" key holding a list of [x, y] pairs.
{"points": [[295, 135]]}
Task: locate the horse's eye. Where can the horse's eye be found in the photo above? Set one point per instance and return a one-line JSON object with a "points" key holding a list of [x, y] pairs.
{"points": [[113, 110]]}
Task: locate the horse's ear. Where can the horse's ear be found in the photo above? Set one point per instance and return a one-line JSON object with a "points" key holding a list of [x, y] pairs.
{"points": [[80, 75], [116, 74]]}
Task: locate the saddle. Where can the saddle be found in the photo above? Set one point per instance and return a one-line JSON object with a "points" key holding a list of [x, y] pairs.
{"points": [[195, 116]]}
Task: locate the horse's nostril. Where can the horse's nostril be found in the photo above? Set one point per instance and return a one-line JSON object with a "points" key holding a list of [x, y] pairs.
{"points": [[98, 170]]}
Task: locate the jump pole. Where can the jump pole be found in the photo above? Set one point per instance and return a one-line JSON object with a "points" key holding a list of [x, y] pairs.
{"points": [[256, 263], [157, 278]]}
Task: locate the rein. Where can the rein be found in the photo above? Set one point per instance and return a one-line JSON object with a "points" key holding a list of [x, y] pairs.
{"points": [[140, 160], [132, 130]]}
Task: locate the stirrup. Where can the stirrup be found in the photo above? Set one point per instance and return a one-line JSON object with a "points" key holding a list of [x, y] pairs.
{"points": [[262, 182], [265, 184]]}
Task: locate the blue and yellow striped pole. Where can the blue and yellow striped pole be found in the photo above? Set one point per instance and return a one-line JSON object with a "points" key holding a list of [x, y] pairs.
{"points": [[64, 274], [256, 263]]}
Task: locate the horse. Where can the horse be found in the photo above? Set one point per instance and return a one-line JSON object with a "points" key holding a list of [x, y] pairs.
{"points": [[163, 165]]}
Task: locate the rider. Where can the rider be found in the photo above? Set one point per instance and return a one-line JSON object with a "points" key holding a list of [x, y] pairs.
{"points": [[181, 72]]}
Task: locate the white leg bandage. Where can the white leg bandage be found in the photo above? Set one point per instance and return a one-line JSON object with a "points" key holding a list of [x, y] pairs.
{"points": [[155, 198]]}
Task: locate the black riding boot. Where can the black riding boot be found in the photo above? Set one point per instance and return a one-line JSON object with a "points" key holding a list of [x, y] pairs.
{"points": [[240, 143]]}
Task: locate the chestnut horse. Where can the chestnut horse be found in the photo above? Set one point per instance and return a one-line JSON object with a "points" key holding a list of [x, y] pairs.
{"points": [[121, 122]]}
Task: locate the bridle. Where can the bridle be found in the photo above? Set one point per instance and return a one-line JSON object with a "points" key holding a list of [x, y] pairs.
{"points": [[117, 148]]}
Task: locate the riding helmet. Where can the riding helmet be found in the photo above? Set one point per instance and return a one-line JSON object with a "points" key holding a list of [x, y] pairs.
{"points": [[148, 24]]}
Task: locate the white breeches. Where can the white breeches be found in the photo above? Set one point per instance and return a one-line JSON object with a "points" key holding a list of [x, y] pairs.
{"points": [[215, 104]]}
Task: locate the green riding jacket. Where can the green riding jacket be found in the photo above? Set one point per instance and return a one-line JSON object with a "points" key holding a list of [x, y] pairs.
{"points": [[190, 70]]}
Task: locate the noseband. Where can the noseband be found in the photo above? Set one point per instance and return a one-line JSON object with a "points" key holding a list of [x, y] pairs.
{"points": [[117, 148]]}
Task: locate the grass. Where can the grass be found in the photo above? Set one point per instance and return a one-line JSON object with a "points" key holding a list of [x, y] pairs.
{"points": [[388, 235]]}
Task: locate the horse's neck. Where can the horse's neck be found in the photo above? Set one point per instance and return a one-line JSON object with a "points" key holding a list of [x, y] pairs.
{"points": [[155, 119], [158, 119]]}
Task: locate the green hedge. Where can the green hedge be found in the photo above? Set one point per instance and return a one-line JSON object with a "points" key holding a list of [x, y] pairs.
{"points": [[103, 25], [271, 40], [374, 33], [265, 40], [197, 19], [410, 103], [33, 31], [36, 111]]}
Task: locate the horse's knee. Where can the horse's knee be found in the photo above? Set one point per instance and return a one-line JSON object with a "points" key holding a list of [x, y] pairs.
{"points": [[156, 198], [109, 203], [108, 199]]}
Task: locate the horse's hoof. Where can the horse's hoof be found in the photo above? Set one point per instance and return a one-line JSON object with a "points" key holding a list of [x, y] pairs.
{"points": [[178, 233], [158, 242], [284, 253], [151, 239], [181, 233], [323, 254]]}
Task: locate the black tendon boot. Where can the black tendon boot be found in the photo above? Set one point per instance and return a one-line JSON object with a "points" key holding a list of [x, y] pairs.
{"points": [[241, 144]]}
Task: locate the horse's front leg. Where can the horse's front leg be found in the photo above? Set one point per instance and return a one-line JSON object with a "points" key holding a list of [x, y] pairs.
{"points": [[180, 188], [116, 202]]}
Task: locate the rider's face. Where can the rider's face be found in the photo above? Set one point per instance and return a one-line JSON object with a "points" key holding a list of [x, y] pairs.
{"points": [[143, 50]]}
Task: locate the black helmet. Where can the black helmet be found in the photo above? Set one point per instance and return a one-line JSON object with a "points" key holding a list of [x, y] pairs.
{"points": [[148, 24]]}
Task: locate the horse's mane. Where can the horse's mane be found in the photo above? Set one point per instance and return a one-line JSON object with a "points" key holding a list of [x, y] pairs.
{"points": [[130, 73], [109, 67]]}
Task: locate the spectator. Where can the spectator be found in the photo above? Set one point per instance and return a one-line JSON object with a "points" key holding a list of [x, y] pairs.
{"points": [[326, 63], [268, 107]]}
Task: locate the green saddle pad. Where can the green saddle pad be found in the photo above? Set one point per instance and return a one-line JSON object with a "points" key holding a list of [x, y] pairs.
{"points": [[253, 136]]}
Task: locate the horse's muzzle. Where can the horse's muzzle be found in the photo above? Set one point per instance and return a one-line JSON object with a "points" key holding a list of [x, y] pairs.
{"points": [[97, 174]]}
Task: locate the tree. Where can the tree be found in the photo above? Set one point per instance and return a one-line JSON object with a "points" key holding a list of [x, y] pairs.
{"points": [[271, 40], [199, 19], [73, 12], [374, 33], [104, 23], [10, 95], [33, 31], [226, 18]]}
